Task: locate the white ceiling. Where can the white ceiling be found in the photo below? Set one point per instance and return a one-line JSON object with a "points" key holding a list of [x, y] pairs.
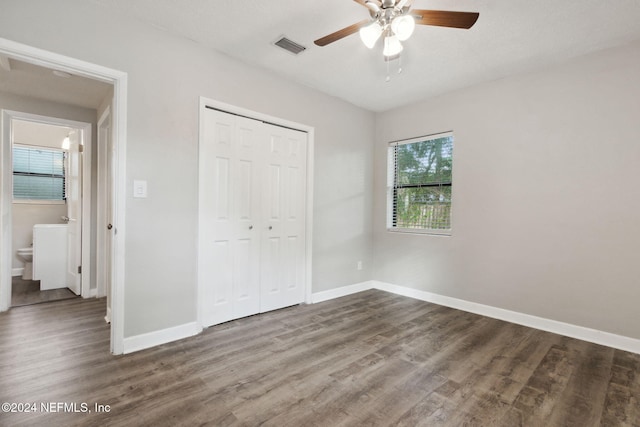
{"points": [[511, 36], [38, 82]]}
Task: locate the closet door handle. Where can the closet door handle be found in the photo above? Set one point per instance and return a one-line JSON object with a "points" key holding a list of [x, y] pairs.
{"points": [[251, 227], [270, 227]]}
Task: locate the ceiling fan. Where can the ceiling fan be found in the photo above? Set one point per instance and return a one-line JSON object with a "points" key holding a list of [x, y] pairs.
{"points": [[394, 20]]}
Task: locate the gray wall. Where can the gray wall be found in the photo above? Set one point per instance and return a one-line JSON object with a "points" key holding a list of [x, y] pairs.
{"points": [[545, 194], [545, 179], [167, 76]]}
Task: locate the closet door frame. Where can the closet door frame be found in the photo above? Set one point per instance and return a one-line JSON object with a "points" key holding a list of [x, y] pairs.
{"points": [[206, 103]]}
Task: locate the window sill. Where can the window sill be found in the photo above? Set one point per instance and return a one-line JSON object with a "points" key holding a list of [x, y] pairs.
{"points": [[39, 202], [445, 233]]}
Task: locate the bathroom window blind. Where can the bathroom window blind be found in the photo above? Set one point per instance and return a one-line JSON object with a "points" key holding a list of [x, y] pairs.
{"points": [[38, 174], [420, 184]]}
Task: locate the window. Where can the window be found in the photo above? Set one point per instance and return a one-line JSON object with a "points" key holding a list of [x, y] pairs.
{"points": [[419, 184], [38, 174]]}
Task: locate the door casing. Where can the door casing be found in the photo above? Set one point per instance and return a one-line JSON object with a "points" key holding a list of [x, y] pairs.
{"points": [[118, 79]]}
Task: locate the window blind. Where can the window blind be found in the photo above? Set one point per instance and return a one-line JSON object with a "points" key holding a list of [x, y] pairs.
{"points": [[420, 183], [38, 174]]}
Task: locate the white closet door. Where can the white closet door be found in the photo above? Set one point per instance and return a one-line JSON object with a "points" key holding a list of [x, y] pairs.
{"points": [[229, 217], [282, 256]]}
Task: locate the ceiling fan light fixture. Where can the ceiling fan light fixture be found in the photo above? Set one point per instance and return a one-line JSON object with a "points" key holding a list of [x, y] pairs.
{"points": [[370, 34], [403, 26], [392, 46]]}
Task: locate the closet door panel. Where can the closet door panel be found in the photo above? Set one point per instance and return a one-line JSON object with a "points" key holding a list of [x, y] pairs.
{"points": [[215, 219], [246, 218], [283, 285], [229, 217]]}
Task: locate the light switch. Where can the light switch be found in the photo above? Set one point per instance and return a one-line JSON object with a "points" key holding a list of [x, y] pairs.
{"points": [[140, 189]]}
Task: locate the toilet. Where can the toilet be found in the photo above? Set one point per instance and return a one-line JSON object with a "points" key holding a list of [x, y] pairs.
{"points": [[26, 255]]}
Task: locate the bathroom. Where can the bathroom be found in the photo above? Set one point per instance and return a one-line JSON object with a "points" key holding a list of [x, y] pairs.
{"points": [[41, 165]]}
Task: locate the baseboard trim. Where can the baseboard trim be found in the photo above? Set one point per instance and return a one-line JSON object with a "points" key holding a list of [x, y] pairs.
{"points": [[341, 292], [152, 339], [17, 271], [579, 332]]}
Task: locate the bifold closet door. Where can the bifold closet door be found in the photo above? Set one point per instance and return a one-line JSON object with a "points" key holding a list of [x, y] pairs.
{"points": [[252, 217], [229, 234], [282, 256]]}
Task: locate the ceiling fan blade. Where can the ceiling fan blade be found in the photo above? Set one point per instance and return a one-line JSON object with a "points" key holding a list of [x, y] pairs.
{"points": [[442, 18], [323, 41]]}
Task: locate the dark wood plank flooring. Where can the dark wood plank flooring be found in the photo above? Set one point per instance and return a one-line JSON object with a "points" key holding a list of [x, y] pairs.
{"points": [[370, 359]]}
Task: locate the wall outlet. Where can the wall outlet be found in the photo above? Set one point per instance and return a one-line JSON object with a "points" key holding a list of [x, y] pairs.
{"points": [[359, 265]]}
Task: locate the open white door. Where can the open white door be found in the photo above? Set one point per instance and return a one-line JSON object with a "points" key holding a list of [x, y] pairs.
{"points": [[110, 218], [74, 212]]}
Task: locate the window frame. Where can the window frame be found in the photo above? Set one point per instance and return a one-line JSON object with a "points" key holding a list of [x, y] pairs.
{"points": [[392, 188], [64, 177]]}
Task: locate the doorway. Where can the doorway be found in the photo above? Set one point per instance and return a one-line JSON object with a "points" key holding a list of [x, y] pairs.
{"points": [[51, 208], [118, 80]]}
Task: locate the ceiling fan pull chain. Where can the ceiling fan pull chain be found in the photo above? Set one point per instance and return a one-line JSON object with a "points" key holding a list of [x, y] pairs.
{"points": [[388, 79], [399, 64]]}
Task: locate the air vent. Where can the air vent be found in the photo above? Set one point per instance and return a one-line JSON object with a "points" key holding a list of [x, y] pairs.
{"points": [[290, 46]]}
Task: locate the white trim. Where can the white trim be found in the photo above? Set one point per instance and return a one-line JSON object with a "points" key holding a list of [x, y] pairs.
{"points": [[17, 271], [93, 293], [152, 339], [204, 102], [48, 59], [119, 141], [38, 202], [310, 131], [6, 208], [421, 138], [341, 292], [101, 209], [87, 195], [309, 213], [423, 231], [573, 331]]}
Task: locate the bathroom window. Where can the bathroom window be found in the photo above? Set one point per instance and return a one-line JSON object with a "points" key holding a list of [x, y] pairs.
{"points": [[38, 174]]}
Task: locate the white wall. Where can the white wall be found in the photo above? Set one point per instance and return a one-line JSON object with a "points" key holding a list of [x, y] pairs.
{"points": [[166, 78], [546, 194]]}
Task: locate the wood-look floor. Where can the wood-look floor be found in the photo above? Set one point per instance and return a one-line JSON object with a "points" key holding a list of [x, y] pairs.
{"points": [[27, 292], [368, 359]]}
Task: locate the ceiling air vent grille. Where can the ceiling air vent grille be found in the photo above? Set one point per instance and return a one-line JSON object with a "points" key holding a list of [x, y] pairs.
{"points": [[290, 46]]}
